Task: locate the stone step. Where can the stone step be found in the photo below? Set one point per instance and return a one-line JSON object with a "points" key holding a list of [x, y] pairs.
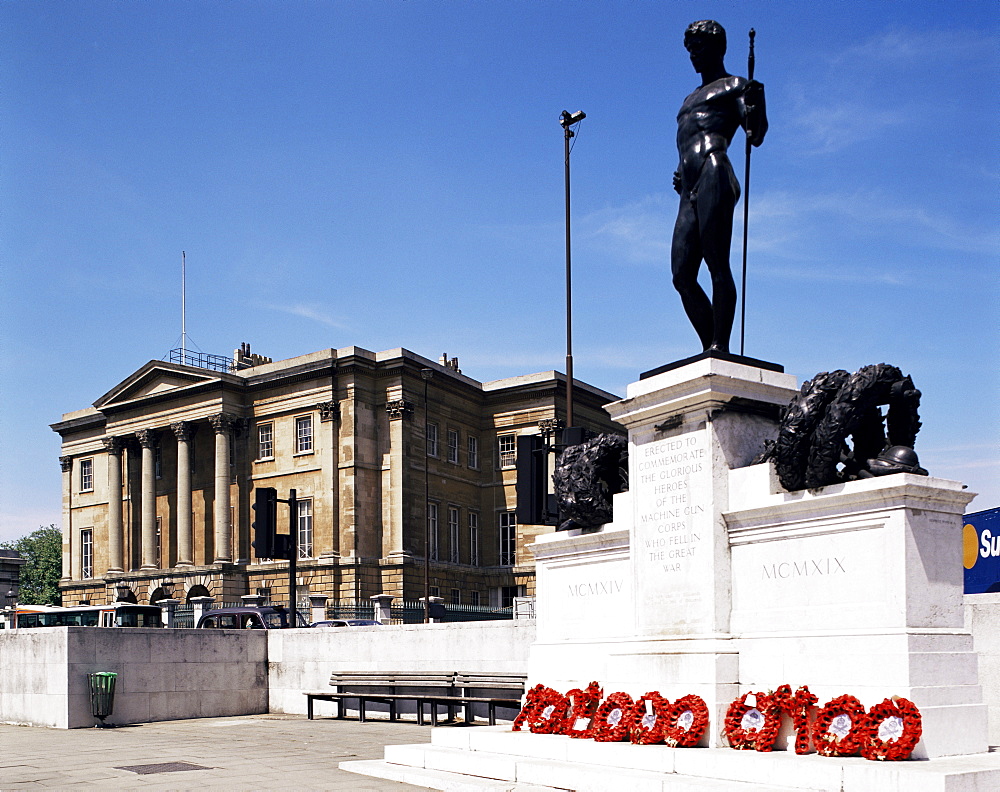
{"points": [[497, 755], [474, 771]]}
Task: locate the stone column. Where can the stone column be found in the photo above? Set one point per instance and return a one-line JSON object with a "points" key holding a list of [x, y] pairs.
{"points": [[147, 439], [168, 606], [383, 607], [222, 423], [317, 607], [201, 604], [182, 431], [114, 447], [436, 609], [66, 463]]}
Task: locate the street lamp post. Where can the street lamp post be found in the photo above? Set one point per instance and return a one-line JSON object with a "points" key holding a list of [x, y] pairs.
{"points": [[427, 374], [567, 120]]}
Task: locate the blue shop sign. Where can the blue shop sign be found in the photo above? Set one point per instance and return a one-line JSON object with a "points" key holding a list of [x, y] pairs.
{"points": [[981, 551]]}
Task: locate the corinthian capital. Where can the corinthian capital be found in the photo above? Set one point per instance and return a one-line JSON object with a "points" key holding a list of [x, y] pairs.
{"points": [[222, 422], [146, 437], [113, 445], [398, 408], [66, 463], [182, 430]]}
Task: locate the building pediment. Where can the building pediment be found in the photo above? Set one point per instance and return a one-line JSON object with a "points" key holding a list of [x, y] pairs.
{"points": [[156, 378]]}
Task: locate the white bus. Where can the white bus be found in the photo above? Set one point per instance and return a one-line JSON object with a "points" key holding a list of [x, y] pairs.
{"points": [[117, 614]]}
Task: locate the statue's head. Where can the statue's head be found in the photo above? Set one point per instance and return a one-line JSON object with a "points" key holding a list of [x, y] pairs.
{"points": [[706, 36]]}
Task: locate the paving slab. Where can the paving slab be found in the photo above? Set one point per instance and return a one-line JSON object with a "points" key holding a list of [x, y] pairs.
{"points": [[252, 752]]}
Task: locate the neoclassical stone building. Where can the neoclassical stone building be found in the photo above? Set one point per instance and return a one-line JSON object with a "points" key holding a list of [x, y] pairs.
{"points": [[158, 478]]}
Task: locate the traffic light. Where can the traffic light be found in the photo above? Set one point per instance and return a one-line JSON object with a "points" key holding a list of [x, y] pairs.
{"points": [[265, 522], [531, 485]]}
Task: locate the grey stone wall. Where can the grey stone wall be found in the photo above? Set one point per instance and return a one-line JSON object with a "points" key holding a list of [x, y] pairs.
{"points": [[162, 674]]}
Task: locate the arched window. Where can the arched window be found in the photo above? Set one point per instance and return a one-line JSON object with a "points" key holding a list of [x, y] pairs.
{"points": [[197, 591]]}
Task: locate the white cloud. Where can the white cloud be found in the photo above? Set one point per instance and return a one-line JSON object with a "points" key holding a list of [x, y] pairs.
{"points": [[314, 312], [639, 231]]}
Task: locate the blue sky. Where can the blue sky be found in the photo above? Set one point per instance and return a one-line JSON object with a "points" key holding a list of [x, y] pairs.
{"points": [[389, 173]]}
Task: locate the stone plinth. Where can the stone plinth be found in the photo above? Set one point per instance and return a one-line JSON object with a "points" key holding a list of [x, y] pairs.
{"points": [[713, 580], [644, 604], [687, 428], [857, 588]]}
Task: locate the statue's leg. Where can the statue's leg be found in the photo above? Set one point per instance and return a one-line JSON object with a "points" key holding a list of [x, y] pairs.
{"points": [[685, 259], [718, 192]]}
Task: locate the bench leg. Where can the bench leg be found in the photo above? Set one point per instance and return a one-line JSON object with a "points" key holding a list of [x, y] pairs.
{"points": [[420, 712], [493, 714], [392, 710], [434, 713], [361, 710], [309, 707], [469, 717]]}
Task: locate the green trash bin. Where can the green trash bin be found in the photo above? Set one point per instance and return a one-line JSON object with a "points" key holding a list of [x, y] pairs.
{"points": [[102, 693]]}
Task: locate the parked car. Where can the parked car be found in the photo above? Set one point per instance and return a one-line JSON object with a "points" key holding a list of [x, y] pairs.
{"points": [[263, 617], [347, 623]]}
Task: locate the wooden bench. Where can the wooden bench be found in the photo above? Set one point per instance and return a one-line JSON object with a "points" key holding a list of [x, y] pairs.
{"points": [[434, 689]]}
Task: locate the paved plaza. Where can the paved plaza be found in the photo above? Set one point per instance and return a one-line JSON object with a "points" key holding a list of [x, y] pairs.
{"points": [[248, 752]]}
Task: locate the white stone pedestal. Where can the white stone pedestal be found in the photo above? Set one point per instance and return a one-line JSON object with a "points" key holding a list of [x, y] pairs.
{"points": [[857, 588], [713, 580], [644, 605]]}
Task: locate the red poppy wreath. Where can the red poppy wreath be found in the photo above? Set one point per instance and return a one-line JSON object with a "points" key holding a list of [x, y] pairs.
{"points": [[581, 714], [686, 722], [613, 718], [894, 727], [648, 718], [840, 727]]}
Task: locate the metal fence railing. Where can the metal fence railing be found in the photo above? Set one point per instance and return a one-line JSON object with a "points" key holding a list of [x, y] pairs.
{"points": [[402, 611], [350, 609], [184, 616], [412, 612]]}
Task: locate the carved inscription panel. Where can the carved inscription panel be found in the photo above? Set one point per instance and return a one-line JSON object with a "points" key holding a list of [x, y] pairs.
{"points": [[672, 547], [814, 582], [588, 600]]}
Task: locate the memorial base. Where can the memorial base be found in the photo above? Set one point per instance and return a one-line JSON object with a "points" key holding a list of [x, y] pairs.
{"points": [[495, 758], [713, 580]]}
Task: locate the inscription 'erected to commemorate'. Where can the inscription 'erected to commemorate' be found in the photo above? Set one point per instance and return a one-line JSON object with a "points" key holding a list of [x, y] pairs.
{"points": [[669, 536]]}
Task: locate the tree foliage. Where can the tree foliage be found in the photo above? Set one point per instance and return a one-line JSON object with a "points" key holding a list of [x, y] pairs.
{"points": [[42, 549]]}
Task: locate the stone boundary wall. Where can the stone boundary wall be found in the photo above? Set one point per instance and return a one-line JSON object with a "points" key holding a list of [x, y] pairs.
{"points": [[302, 660], [982, 619], [162, 674]]}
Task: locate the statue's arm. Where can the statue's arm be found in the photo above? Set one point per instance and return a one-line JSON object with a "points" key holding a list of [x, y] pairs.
{"points": [[754, 112]]}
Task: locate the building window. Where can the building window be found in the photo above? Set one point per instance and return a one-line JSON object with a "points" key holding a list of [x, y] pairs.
{"points": [[86, 475], [158, 462], [473, 446], [456, 596], [304, 434], [433, 591], [474, 538], [474, 598], [453, 446], [432, 440], [508, 538], [507, 594], [87, 553], [305, 528], [265, 592], [454, 555], [507, 446], [159, 545], [432, 529], [265, 441]]}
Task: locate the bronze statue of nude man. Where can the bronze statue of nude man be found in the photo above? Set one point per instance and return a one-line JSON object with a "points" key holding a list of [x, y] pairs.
{"points": [[706, 123]]}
